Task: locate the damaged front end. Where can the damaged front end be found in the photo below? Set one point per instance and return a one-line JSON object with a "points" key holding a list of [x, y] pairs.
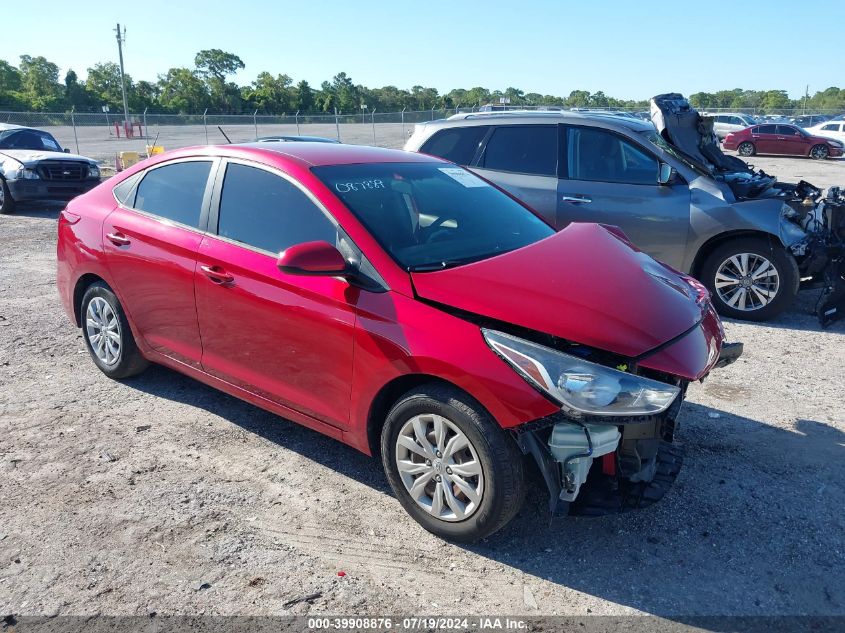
{"points": [[812, 223]]}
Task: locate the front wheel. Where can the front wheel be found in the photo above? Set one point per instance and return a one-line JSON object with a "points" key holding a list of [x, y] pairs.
{"points": [[819, 152], [107, 335], [751, 278], [7, 204], [452, 467], [746, 149]]}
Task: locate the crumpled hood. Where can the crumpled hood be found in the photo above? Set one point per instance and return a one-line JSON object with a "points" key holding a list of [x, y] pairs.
{"points": [[586, 284], [31, 156]]}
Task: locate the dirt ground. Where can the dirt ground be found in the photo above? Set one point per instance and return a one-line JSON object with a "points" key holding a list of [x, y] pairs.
{"points": [[160, 494]]}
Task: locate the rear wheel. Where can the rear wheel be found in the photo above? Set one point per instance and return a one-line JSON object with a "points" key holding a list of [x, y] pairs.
{"points": [[751, 278], [746, 149], [7, 204], [107, 335], [452, 467], [819, 152]]}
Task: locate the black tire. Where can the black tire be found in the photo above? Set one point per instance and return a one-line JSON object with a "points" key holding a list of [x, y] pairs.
{"points": [[7, 204], [819, 152], [746, 148], [501, 461], [783, 263], [129, 360]]}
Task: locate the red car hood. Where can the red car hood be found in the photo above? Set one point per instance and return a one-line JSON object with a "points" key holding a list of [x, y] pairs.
{"points": [[586, 284]]}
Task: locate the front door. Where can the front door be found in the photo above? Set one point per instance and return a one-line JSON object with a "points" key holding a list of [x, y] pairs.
{"points": [[151, 254], [286, 338], [612, 180], [791, 141]]}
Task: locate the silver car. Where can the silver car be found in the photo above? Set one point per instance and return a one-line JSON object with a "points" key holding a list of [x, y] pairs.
{"points": [[748, 238]]}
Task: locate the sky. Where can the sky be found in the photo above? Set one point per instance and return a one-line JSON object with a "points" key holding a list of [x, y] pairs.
{"points": [[625, 48]]}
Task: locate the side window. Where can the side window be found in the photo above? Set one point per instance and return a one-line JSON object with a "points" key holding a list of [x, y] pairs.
{"points": [[523, 149], [737, 121], [175, 192], [830, 126], [265, 211], [787, 130], [595, 154], [457, 144], [124, 193], [766, 129]]}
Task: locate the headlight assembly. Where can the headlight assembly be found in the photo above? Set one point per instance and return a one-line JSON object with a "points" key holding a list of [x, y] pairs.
{"points": [[580, 385], [93, 171]]}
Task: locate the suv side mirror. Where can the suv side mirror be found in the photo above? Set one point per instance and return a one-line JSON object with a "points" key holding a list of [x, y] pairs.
{"points": [[66, 150], [312, 258], [666, 174]]}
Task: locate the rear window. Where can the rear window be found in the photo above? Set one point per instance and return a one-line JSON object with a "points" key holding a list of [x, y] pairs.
{"points": [[457, 144], [523, 149]]}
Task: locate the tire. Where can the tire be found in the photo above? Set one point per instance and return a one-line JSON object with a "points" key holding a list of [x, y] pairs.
{"points": [[778, 288], [746, 148], [500, 484], [7, 204], [119, 358], [819, 152]]}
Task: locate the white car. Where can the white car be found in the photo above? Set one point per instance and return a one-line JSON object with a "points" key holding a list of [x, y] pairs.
{"points": [[726, 122], [829, 129]]}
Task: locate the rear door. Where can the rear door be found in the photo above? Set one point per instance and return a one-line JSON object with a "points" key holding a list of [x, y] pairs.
{"points": [[764, 138], [287, 338], [523, 159], [609, 178], [151, 243]]}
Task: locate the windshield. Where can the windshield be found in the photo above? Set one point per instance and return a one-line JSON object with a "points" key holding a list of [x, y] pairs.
{"points": [[430, 216], [28, 139], [663, 144]]}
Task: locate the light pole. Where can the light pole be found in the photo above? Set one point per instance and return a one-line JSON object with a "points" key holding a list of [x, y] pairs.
{"points": [[121, 38]]}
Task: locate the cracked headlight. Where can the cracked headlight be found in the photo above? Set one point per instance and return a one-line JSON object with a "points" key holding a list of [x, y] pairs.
{"points": [[580, 385]]}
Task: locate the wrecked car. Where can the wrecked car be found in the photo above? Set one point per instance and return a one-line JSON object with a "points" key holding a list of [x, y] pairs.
{"points": [[404, 306], [751, 240], [34, 167]]}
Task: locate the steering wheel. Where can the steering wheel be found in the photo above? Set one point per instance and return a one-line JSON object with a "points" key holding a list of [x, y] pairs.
{"points": [[434, 229]]}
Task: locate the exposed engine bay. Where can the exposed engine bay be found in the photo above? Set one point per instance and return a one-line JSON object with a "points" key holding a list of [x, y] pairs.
{"points": [[819, 243]]}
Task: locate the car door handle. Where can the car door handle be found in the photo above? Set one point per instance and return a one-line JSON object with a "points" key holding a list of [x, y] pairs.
{"points": [[217, 275], [118, 238], [576, 199]]}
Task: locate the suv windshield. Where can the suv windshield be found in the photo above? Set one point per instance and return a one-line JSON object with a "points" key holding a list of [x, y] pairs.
{"points": [[658, 140], [28, 139], [430, 216]]}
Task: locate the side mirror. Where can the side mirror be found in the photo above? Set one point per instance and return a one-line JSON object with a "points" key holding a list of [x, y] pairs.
{"points": [[666, 174], [312, 258], [66, 150]]}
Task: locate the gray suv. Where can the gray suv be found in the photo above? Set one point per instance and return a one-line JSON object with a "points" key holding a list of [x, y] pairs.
{"points": [[748, 238]]}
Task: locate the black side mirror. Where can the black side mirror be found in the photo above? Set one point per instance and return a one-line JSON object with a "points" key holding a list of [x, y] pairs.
{"points": [[666, 174], [66, 150]]}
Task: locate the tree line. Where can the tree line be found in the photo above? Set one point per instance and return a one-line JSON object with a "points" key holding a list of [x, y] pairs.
{"points": [[34, 85]]}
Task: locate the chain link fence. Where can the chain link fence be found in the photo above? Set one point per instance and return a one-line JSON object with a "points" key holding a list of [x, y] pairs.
{"points": [[103, 136]]}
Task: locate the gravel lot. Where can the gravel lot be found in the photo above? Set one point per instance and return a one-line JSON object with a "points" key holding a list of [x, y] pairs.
{"points": [[160, 494]]}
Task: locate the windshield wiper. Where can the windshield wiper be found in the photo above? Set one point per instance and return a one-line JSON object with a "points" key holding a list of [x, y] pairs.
{"points": [[441, 265]]}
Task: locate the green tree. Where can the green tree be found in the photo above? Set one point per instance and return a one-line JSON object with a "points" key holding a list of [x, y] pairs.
{"points": [[103, 83], [270, 94], [75, 94], [182, 91], [214, 65], [304, 101], [578, 99], [40, 86], [10, 77]]}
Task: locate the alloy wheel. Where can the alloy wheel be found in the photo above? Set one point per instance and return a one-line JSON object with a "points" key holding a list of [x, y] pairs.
{"points": [[819, 151], [746, 149], [747, 281], [439, 467], [103, 329]]}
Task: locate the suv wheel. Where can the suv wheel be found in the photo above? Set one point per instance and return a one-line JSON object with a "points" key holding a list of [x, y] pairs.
{"points": [[452, 467], [746, 149], [7, 205], [107, 335], [751, 278]]}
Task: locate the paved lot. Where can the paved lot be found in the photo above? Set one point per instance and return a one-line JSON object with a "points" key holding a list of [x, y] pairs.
{"points": [[160, 494]]}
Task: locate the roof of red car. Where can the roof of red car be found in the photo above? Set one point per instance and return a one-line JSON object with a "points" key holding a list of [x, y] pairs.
{"points": [[313, 154]]}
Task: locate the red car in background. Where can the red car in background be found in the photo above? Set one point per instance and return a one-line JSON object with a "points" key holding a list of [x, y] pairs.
{"points": [[405, 306], [780, 138]]}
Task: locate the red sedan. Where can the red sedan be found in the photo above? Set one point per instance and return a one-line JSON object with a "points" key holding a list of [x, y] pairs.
{"points": [[402, 305], [788, 140]]}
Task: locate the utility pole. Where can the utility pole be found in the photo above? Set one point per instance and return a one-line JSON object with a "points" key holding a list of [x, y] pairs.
{"points": [[806, 96], [121, 38]]}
